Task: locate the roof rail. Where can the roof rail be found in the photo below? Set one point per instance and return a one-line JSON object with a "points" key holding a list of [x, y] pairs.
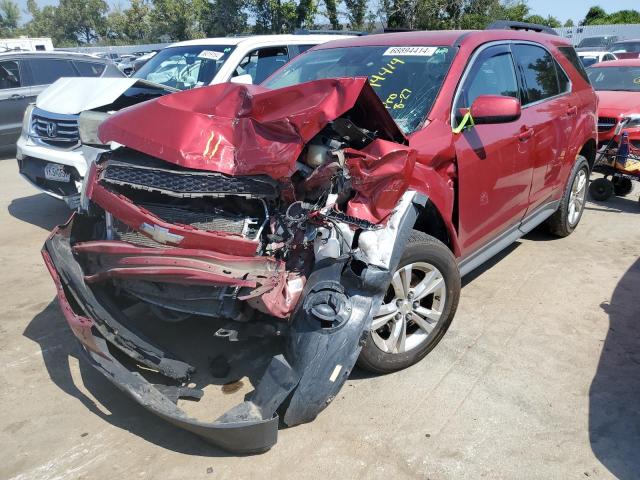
{"points": [[304, 31], [509, 25]]}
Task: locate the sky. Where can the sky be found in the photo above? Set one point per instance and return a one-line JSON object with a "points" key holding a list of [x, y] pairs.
{"points": [[561, 9]]}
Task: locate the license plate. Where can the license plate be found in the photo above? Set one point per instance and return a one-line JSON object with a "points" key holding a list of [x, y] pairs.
{"points": [[55, 172]]}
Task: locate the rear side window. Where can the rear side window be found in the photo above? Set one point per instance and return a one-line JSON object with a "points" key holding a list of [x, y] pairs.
{"points": [[90, 69], [304, 48], [538, 70], [571, 55], [9, 74], [47, 70]]}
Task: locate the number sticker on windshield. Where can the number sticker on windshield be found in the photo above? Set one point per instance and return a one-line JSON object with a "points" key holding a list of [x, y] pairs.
{"points": [[410, 51], [210, 55]]}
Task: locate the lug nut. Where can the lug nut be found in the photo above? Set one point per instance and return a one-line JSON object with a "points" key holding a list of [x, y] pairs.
{"points": [[416, 305], [398, 316], [410, 295], [399, 303]]}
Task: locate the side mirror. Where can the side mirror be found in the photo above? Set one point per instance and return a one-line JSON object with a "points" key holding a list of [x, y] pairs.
{"points": [[244, 79], [495, 109]]}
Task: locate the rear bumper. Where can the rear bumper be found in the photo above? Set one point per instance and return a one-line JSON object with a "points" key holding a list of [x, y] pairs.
{"points": [[250, 427]]}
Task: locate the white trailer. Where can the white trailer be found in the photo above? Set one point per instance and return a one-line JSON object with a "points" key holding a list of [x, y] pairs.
{"points": [[26, 44]]}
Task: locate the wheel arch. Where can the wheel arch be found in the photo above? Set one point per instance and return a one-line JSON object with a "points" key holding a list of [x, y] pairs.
{"points": [[588, 151], [431, 222]]}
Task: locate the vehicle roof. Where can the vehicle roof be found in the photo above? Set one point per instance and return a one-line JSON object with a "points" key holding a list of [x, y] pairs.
{"points": [[584, 53], [444, 38], [16, 53], [627, 40], [315, 38], [627, 62]]}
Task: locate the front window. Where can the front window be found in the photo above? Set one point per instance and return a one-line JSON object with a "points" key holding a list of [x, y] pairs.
{"points": [[625, 47], [406, 79], [185, 67], [593, 42], [619, 79]]}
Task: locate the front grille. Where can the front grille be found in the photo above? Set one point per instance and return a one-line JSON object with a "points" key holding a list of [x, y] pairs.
{"points": [[606, 123], [55, 129], [185, 183], [216, 221], [126, 234]]}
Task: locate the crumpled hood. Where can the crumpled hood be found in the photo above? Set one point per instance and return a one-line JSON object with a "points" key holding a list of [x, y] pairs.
{"points": [[72, 96], [246, 129]]}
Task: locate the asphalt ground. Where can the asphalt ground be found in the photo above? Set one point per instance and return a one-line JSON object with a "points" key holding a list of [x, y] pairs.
{"points": [[538, 376]]}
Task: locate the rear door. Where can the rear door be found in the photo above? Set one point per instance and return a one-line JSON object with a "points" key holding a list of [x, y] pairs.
{"points": [[262, 62], [14, 98], [550, 112], [494, 164]]}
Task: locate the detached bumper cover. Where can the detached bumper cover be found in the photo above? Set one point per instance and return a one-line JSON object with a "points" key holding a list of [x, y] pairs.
{"points": [[250, 427]]}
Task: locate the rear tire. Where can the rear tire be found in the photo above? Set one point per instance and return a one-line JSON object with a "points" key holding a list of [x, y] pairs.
{"points": [[416, 318], [622, 186], [564, 221], [601, 189]]}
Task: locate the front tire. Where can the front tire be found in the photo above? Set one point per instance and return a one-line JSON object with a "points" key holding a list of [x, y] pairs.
{"points": [[417, 309], [565, 220]]}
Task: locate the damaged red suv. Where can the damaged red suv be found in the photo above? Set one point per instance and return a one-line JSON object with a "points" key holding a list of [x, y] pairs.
{"points": [[333, 209]]}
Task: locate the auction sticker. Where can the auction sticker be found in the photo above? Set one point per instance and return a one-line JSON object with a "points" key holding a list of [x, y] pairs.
{"points": [[210, 55], [410, 51]]}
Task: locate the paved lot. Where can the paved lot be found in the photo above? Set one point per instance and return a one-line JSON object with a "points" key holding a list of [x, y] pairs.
{"points": [[538, 377]]}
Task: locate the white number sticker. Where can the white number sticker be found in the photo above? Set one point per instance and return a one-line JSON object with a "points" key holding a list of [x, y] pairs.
{"points": [[410, 51]]}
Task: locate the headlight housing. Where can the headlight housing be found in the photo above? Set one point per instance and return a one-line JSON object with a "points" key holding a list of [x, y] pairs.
{"points": [[631, 120], [26, 120]]}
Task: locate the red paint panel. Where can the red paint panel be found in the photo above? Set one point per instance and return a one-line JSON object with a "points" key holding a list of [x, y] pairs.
{"points": [[245, 129], [132, 215], [380, 173], [80, 326]]}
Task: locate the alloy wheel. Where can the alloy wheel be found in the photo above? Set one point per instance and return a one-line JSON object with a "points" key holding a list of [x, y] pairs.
{"points": [[411, 309], [577, 197]]}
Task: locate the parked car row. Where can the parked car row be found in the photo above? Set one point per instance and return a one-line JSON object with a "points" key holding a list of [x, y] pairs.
{"points": [[333, 207]]}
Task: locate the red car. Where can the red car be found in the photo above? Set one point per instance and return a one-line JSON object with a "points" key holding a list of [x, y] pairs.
{"points": [[626, 49], [333, 208], [617, 84]]}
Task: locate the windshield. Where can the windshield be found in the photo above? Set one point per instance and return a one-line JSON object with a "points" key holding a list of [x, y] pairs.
{"points": [[625, 79], [185, 67], [625, 47], [406, 79], [593, 42]]}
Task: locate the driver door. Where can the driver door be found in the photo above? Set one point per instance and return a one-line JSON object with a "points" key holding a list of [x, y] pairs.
{"points": [[494, 160]]}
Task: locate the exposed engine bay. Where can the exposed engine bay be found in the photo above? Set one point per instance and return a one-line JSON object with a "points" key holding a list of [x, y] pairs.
{"points": [[286, 209]]}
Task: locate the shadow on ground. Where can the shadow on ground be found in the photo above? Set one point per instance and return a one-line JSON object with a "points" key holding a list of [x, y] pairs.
{"points": [[614, 396], [40, 210], [59, 349], [628, 204], [8, 153]]}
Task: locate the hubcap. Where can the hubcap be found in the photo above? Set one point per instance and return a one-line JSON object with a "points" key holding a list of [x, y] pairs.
{"points": [[411, 309], [577, 197]]}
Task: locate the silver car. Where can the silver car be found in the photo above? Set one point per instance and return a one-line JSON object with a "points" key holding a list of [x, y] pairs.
{"points": [[23, 75]]}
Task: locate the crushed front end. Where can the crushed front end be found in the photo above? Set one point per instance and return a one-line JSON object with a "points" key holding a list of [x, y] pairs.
{"points": [[284, 222]]}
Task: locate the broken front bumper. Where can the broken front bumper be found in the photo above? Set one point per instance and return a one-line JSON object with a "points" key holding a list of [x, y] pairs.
{"points": [[250, 427]]}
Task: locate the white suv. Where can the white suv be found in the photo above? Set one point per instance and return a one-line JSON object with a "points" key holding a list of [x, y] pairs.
{"points": [[56, 161]]}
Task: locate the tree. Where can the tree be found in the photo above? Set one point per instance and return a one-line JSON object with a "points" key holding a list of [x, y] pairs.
{"points": [[550, 21], [82, 20], [224, 17], [593, 15], [568, 23], [46, 23], [306, 12], [356, 11], [9, 17], [179, 19]]}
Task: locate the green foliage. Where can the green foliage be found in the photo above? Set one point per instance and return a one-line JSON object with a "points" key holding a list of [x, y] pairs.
{"points": [[356, 12], [568, 23], [9, 17], [597, 16]]}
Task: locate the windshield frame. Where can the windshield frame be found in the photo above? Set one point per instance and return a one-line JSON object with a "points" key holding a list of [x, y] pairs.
{"points": [[155, 63], [452, 52]]}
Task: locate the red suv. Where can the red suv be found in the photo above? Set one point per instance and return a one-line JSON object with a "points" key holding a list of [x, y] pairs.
{"points": [[332, 210]]}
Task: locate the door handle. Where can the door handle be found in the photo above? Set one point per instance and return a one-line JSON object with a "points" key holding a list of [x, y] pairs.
{"points": [[572, 111], [16, 96], [525, 134]]}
